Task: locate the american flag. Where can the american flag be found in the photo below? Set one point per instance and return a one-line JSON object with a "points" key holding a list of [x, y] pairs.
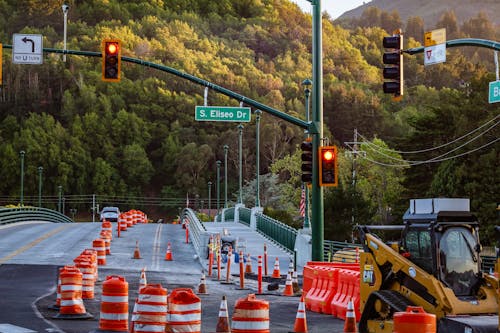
{"points": [[302, 206]]}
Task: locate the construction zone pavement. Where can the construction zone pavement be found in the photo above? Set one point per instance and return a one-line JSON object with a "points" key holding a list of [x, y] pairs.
{"points": [[28, 283]]}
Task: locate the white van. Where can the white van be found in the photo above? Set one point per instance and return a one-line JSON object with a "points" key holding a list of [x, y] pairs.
{"points": [[110, 214]]}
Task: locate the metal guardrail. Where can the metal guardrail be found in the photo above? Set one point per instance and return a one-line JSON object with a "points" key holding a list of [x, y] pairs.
{"points": [[196, 231], [245, 215], [277, 231], [229, 214], [26, 214]]}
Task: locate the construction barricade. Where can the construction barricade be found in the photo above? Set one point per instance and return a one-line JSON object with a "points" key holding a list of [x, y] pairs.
{"points": [[150, 311], [415, 319], [114, 304], [71, 303], [328, 287], [184, 311], [250, 315], [84, 264], [100, 246]]}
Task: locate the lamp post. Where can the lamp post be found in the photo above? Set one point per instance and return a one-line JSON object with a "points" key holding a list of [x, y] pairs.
{"points": [[307, 92], [65, 9], [40, 171], [217, 186], [209, 199], [21, 155], [63, 206], [60, 199], [226, 148], [257, 158], [240, 158]]}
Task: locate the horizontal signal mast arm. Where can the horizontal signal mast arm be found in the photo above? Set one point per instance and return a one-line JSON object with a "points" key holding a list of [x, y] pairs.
{"points": [[461, 42]]}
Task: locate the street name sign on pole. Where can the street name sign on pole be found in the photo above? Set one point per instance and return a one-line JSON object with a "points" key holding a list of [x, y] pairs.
{"points": [[494, 92], [435, 47], [27, 49], [222, 113]]}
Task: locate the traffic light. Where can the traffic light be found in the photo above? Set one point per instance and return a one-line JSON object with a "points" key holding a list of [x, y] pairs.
{"points": [[111, 60], [328, 166], [394, 58], [307, 160]]}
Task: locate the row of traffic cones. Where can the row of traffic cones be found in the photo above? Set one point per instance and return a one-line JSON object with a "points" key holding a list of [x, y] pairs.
{"points": [[137, 252]]}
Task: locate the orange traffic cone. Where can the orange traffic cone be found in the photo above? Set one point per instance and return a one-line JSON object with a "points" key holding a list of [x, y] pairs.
{"points": [[300, 320], [168, 255], [202, 288], [295, 282], [223, 322], [276, 270], [248, 267], [137, 253], [350, 319], [142, 281], [288, 286]]}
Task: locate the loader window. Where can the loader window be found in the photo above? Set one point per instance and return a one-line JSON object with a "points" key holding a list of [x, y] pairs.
{"points": [[459, 262], [418, 244]]}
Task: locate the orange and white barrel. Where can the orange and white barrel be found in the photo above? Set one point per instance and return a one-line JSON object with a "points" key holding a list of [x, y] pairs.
{"points": [[184, 311], [71, 291], [122, 222], [108, 227], [150, 315], [92, 254], [84, 264], [250, 315], [107, 240], [114, 304], [130, 220], [100, 246]]}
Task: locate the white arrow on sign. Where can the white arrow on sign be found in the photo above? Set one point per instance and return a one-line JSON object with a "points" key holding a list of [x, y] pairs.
{"points": [[27, 49]]}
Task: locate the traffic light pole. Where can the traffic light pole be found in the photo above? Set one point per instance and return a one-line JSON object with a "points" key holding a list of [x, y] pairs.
{"points": [[316, 131]]}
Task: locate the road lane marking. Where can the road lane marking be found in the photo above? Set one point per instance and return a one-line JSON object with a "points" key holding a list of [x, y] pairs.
{"points": [[156, 248], [33, 243], [8, 328]]}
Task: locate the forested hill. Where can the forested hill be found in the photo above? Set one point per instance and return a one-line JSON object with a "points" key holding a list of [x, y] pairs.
{"points": [[138, 139], [431, 10]]}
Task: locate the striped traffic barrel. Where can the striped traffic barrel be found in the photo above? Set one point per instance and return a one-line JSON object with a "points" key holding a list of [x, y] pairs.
{"points": [[184, 311], [250, 315], [107, 226], [92, 253], [72, 306], [84, 264], [150, 311], [114, 304], [107, 240], [100, 246]]}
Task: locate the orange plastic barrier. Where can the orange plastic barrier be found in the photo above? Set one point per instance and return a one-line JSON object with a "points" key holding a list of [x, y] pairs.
{"points": [[415, 319], [100, 246], [184, 311], [250, 315], [114, 304], [151, 310], [348, 289], [71, 294], [310, 271]]}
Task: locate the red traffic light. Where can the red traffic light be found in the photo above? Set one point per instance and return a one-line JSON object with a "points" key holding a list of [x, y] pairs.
{"points": [[328, 166], [328, 155], [111, 48]]}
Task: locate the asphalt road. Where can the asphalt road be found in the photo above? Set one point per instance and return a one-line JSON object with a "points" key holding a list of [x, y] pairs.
{"points": [[31, 253]]}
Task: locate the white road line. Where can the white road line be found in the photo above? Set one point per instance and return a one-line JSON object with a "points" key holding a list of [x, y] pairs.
{"points": [[156, 248], [8, 328]]}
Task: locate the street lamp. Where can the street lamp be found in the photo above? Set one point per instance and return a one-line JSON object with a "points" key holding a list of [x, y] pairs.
{"points": [[257, 159], [307, 92], [65, 9], [40, 170], [60, 199], [218, 184], [226, 148], [240, 157], [21, 155], [209, 199]]}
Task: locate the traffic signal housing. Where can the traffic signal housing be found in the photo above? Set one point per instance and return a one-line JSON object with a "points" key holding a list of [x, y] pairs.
{"points": [[393, 73], [111, 60], [328, 166], [307, 160]]}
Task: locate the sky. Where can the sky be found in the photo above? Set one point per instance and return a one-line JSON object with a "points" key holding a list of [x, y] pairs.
{"points": [[334, 7]]}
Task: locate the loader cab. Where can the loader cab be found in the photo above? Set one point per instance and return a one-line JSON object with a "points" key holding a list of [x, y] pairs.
{"points": [[446, 245]]}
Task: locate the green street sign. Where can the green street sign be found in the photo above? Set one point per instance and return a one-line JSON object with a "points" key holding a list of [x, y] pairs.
{"points": [[222, 113], [494, 95]]}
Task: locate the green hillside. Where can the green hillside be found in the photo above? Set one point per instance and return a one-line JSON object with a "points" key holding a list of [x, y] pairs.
{"points": [[137, 139]]}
